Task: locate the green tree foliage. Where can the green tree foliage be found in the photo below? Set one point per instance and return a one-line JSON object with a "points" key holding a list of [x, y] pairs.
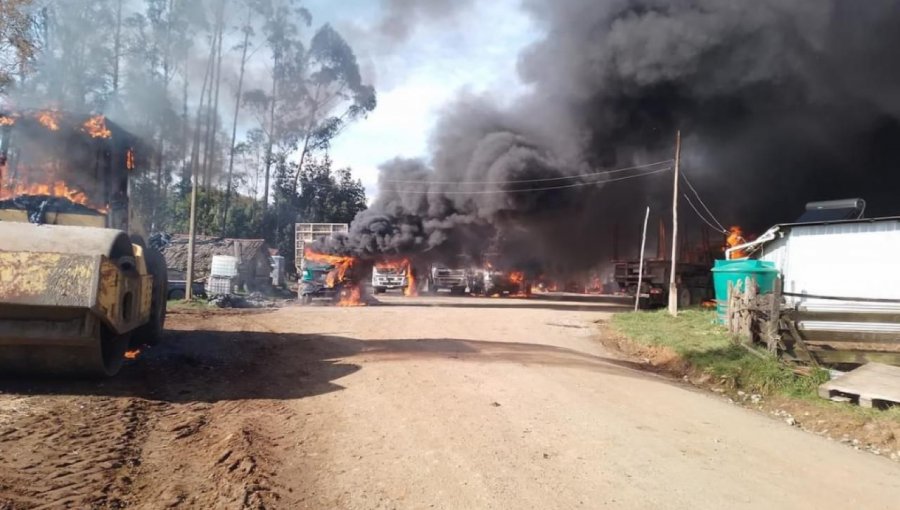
{"points": [[17, 39], [167, 70], [325, 195]]}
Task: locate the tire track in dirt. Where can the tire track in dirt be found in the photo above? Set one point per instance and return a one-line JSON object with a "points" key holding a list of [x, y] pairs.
{"points": [[67, 454], [217, 449], [199, 422]]}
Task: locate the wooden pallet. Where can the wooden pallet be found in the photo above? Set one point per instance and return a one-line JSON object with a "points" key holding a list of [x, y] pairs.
{"points": [[872, 385]]}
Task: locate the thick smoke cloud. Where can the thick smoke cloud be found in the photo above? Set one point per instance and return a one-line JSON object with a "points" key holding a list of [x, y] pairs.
{"points": [[780, 102]]}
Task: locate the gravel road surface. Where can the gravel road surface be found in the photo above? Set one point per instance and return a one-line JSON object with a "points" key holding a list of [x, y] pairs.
{"points": [[432, 402]]}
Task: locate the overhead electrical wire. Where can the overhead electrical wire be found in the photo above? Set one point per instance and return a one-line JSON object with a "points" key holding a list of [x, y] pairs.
{"points": [[703, 218], [721, 228], [527, 190], [546, 179]]}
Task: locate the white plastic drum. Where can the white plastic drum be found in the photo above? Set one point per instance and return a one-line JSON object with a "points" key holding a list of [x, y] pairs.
{"points": [[224, 265]]}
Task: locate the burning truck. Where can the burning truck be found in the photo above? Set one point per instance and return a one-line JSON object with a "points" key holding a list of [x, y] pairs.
{"points": [[394, 274], [332, 278]]}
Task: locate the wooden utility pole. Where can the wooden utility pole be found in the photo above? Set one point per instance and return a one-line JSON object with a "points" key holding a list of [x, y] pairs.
{"points": [[637, 295], [673, 280], [192, 237]]}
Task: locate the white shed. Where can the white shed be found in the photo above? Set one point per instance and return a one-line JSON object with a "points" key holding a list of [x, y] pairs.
{"points": [[853, 259], [842, 281]]}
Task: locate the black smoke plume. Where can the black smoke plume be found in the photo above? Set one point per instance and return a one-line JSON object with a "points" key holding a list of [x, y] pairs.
{"points": [[780, 102]]}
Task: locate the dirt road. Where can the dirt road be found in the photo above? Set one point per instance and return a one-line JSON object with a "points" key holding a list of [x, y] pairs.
{"points": [[418, 403]]}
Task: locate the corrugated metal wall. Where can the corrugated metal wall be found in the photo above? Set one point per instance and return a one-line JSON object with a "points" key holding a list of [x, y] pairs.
{"points": [[849, 260], [859, 260]]}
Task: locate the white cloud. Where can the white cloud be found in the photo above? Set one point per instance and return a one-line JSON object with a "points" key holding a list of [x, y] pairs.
{"points": [[478, 52]]}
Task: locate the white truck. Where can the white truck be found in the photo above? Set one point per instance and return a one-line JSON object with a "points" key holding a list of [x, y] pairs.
{"points": [[388, 277], [442, 277]]}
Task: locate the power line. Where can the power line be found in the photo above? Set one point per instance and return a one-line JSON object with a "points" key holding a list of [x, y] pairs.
{"points": [[548, 179], [711, 215], [493, 192], [703, 218]]}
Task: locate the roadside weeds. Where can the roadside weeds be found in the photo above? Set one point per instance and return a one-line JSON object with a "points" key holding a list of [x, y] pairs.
{"points": [[693, 348]]}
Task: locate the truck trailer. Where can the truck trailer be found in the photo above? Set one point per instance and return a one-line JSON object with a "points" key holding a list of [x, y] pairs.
{"points": [[694, 282]]}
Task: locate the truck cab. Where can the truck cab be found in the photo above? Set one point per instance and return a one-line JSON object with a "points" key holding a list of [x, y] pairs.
{"points": [[442, 277], [385, 278], [314, 283]]}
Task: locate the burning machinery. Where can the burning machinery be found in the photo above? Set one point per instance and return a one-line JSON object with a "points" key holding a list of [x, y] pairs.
{"points": [[441, 277], [76, 292], [331, 277], [394, 274]]}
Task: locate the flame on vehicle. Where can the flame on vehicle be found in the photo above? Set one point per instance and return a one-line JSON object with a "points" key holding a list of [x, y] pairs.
{"points": [[342, 266], [351, 295], [517, 278], [401, 266], [57, 189], [411, 289], [132, 355]]}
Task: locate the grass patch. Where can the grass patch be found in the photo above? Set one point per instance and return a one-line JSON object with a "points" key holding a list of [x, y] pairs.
{"points": [[707, 347]]}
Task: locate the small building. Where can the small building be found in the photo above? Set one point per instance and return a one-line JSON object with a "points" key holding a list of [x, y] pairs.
{"points": [[254, 261], [841, 283]]}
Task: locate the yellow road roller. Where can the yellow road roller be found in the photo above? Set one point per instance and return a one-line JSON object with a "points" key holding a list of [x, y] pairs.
{"points": [[79, 288]]}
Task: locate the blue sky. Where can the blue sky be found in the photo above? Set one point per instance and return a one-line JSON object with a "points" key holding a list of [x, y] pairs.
{"points": [[477, 51]]}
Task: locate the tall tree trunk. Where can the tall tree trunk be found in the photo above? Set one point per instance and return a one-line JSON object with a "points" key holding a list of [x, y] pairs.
{"points": [[213, 122], [271, 141], [237, 111], [185, 127], [163, 176], [195, 150], [117, 47], [195, 168], [307, 137]]}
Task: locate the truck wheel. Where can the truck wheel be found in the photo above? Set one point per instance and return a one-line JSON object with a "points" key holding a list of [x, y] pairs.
{"points": [[380, 290], [151, 333]]}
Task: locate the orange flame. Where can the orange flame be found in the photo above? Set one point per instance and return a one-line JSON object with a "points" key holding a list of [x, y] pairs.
{"points": [[411, 290], [518, 279], [404, 266], [49, 119], [57, 189], [132, 355], [129, 159], [7, 121], [736, 238], [96, 127], [351, 295]]}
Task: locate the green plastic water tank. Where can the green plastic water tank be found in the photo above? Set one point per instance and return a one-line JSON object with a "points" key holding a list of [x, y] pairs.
{"points": [[734, 271]]}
